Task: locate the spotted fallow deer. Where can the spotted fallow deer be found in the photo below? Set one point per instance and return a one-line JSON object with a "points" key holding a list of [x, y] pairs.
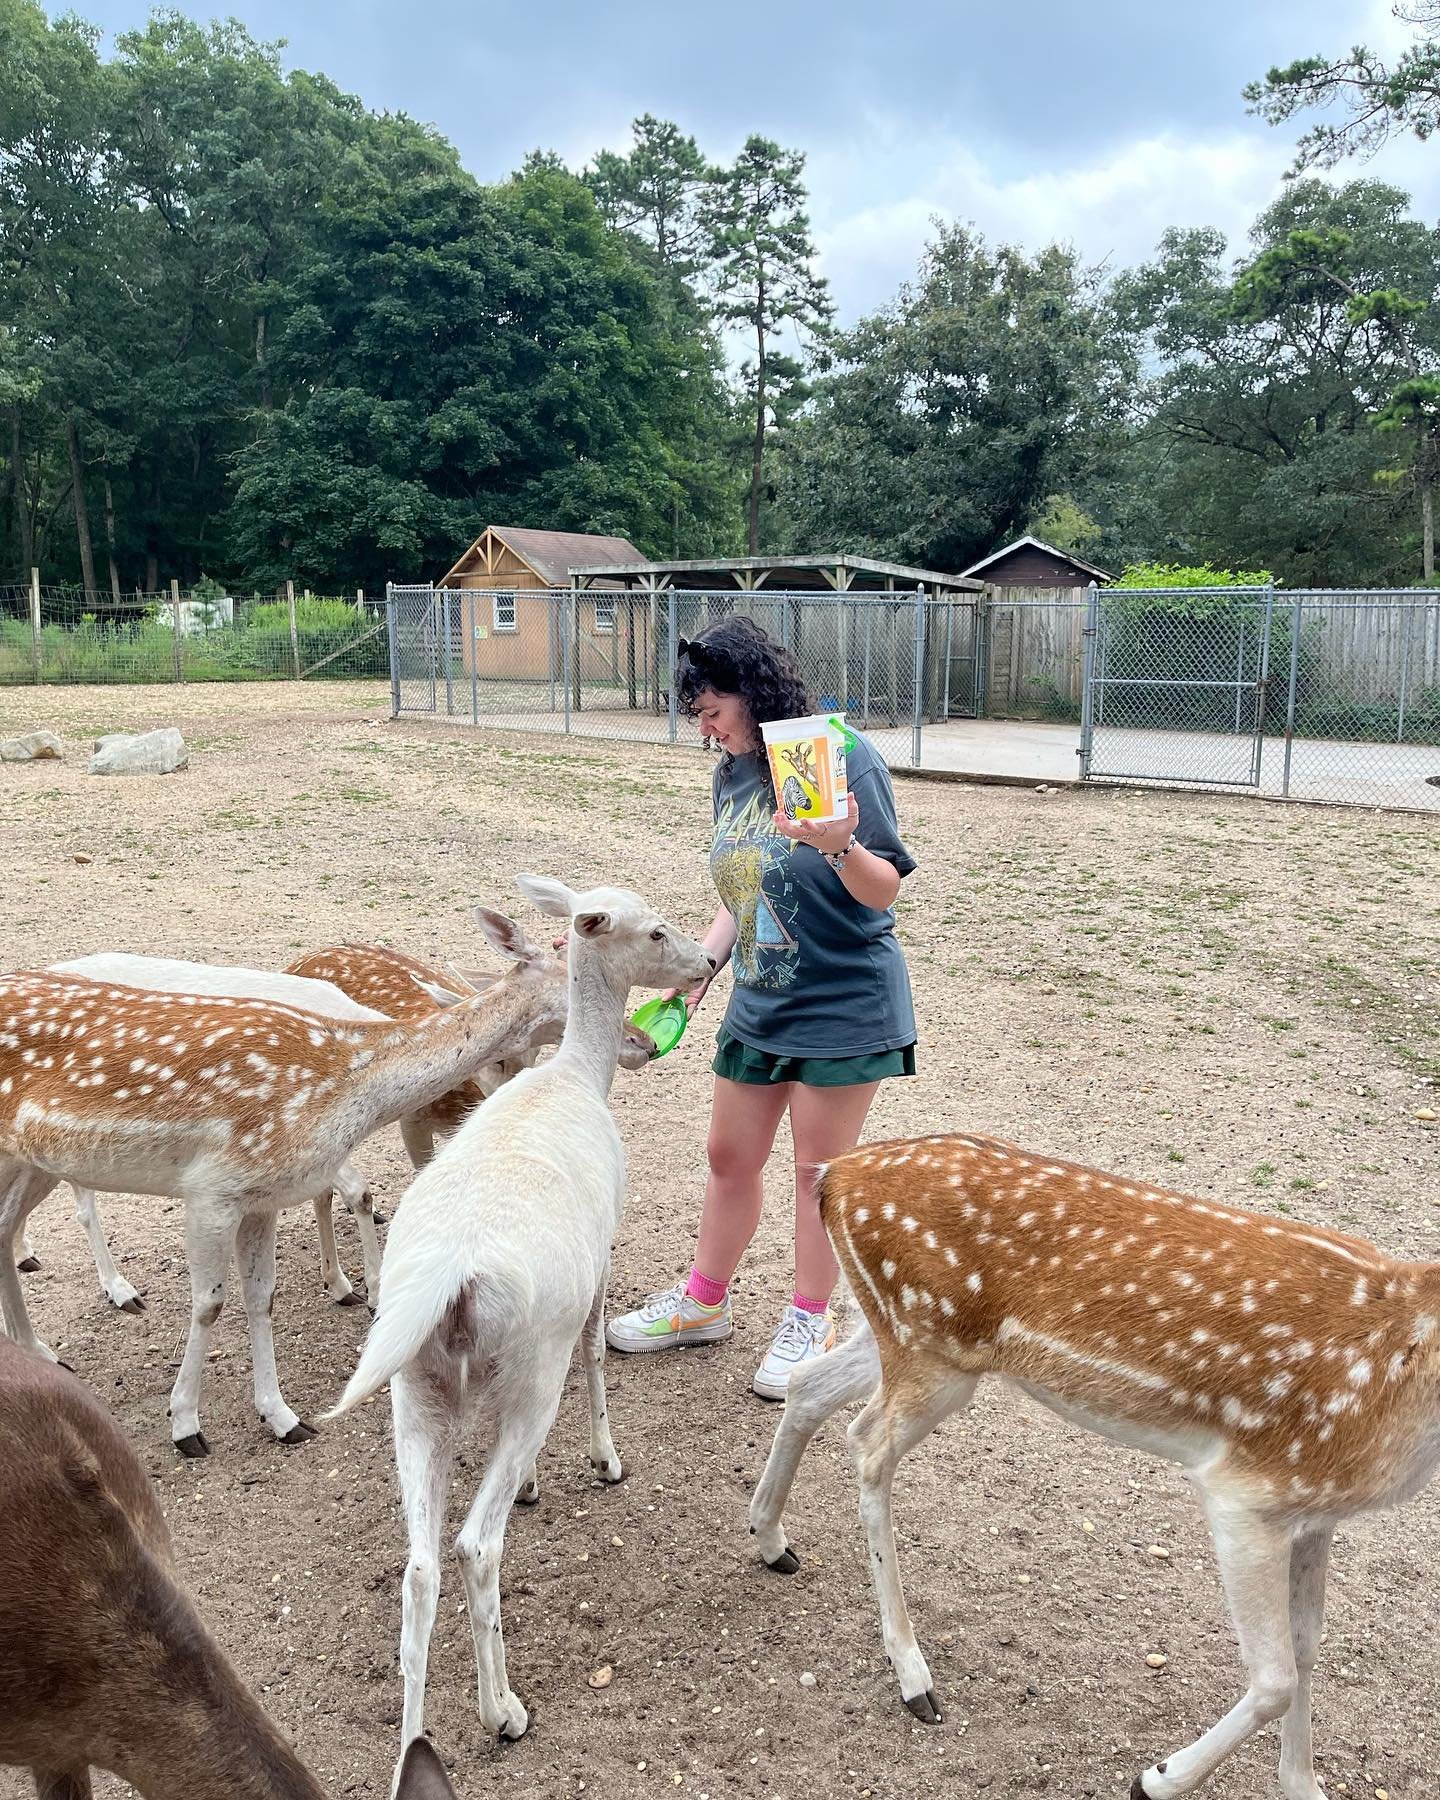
{"points": [[238, 1107], [104, 1661], [1293, 1372]]}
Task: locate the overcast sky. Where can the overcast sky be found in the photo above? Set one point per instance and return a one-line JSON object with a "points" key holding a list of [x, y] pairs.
{"points": [[1099, 124]]}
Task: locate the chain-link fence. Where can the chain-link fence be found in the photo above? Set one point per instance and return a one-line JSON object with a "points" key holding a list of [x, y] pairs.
{"points": [[597, 662], [50, 634], [1303, 694]]}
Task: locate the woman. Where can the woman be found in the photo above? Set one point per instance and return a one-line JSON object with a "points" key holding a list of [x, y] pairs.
{"points": [[820, 1012]]}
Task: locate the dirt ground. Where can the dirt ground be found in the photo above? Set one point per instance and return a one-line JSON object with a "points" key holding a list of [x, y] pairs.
{"points": [[1219, 994]]}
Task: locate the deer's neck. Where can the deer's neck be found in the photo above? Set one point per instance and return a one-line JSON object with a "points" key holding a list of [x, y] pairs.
{"points": [[412, 1068], [595, 1026], [214, 1739]]}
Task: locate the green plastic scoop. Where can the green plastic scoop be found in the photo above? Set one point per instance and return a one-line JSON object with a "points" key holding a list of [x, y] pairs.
{"points": [[664, 1021]]}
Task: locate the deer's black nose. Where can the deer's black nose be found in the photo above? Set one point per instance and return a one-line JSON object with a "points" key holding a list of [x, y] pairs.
{"points": [[713, 964]]}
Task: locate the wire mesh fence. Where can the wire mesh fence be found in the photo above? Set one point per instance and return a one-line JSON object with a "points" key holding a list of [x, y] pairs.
{"points": [[1303, 694], [597, 662], [50, 634]]}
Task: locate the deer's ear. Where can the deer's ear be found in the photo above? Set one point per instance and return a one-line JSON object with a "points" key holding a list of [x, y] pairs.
{"points": [[442, 996], [422, 1774], [551, 897], [593, 924], [504, 935]]}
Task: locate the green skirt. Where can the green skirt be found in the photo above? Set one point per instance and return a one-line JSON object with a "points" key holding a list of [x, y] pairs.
{"points": [[735, 1061]]}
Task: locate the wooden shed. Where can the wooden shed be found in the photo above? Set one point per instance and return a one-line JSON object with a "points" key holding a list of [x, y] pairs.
{"points": [[1030, 563], [505, 614]]}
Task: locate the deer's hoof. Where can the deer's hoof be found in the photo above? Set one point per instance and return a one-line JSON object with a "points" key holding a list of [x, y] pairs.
{"points": [[350, 1299], [926, 1707], [194, 1445], [299, 1433], [786, 1563], [529, 1495], [133, 1305], [27, 1265]]}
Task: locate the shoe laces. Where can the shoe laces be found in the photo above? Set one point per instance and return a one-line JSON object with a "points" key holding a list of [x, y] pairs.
{"points": [[657, 1306], [797, 1332]]}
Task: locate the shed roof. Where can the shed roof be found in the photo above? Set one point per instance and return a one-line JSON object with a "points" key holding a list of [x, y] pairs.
{"points": [[1034, 543], [552, 554]]}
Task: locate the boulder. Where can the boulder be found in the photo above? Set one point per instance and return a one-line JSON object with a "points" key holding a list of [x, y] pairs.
{"points": [[31, 748], [151, 753]]}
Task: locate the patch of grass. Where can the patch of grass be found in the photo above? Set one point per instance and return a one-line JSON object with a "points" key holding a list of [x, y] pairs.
{"points": [[1263, 1174]]}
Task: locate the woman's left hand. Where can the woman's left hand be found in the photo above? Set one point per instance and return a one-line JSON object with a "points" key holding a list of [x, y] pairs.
{"points": [[829, 838]]}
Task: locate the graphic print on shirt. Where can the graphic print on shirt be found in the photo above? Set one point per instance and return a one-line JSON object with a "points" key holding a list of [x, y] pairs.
{"points": [[749, 863]]}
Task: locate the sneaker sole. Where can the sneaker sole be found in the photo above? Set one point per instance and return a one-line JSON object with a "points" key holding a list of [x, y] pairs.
{"points": [[768, 1392], [702, 1334]]}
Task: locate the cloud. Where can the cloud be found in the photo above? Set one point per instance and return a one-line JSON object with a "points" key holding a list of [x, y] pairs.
{"points": [[1112, 208]]}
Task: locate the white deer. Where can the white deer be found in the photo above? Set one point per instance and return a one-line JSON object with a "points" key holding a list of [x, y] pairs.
{"points": [[496, 1262], [107, 1664], [238, 1107], [1293, 1372], [370, 983]]}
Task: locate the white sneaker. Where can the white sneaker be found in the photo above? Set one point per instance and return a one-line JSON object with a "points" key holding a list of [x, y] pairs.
{"points": [[801, 1336], [670, 1319]]}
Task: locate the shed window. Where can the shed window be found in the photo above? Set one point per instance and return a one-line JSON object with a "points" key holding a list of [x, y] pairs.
{"points": [[605, 615], [504, 613]]}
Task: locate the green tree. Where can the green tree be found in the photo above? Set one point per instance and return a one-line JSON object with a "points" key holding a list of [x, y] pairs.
{"points": [[1378, 99], [656, 191], [948, 419], [765, 279], [1255, 439]]}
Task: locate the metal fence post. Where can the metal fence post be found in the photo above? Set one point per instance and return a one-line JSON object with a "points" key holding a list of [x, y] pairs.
{"points": [[179, 650], [35, 642], [563, 623], [449, 654], [1088, 640], [1404, 612], [1290, 693], [917, 721], [472, 650], [390, 632], [294, 629], [674, 658]]}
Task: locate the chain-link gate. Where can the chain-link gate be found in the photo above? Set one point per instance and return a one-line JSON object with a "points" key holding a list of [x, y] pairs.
{"points": [[1175, 684]]}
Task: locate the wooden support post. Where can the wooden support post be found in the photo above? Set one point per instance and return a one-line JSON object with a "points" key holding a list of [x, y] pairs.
{"points": [[178, 647], [35, 623], [294, 630], [360, 601]]}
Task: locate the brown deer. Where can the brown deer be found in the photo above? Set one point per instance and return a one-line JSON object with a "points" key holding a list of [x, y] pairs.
{"points": [[236, 1106], [402, 987], [104, 1662], [1293, 1372]]}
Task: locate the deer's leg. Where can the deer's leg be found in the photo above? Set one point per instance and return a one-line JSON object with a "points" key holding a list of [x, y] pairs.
{"points": [[209, 1245], [116, 1289], [522, 1431], [21, 1191], [1254, 1560], [73, 1784], [893, 1422], [425, 1414], [255, 1249], [817, 1389], [418, 1136], [27, 1261], [363, 1206], [1309, 1564], [337, 1284], [604, 1458]]}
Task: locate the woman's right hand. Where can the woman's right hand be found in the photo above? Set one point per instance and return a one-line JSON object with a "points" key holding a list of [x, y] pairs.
{"points": [[692, 998]]}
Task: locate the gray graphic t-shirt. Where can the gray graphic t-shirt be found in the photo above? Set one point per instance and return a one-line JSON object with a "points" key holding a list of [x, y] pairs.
{"points": [[816, 973]]}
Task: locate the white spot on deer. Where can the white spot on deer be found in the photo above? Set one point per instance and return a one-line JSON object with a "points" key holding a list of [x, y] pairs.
{"points": [[887, 1269], [1359, 1375], [974, 1282], [862, 1215]]}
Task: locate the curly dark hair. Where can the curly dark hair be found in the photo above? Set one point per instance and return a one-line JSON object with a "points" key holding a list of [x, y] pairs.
{"points": [[735, 656]]}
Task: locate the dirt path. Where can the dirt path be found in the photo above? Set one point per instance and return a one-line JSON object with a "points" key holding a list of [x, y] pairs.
{"points": [[1220, 995]]}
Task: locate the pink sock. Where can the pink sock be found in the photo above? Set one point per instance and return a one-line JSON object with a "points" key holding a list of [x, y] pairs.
{"points": [[806, 1304], [707, 1292]]}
